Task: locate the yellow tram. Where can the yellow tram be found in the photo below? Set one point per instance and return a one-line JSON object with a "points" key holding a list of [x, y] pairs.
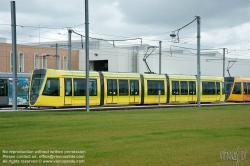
{"points": [[212, 89], [120, 88], [237, 89], [154, 89], [183, 89], [63, 88]]}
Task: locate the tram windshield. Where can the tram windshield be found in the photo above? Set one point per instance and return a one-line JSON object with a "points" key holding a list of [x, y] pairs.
{"points": [[228, 87], [36, 83]]}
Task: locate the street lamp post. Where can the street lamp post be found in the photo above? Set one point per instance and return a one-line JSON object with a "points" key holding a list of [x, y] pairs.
{"points": [[173, 35]]}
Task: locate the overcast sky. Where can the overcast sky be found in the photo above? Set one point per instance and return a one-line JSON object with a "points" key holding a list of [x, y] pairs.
{"points": [[224, 23]]}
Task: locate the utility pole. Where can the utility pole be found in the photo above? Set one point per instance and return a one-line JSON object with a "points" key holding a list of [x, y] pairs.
{"points": [[69, 50], [14, 52], [198, 61], [87, 53], [224, 57], [159, 57], [57, 57]]}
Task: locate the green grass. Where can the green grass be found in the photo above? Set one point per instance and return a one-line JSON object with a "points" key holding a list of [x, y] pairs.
{"points": [[179, 136]]}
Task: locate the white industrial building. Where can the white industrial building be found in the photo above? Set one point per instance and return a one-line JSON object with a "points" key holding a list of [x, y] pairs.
{"points": [[107, 57], [104, 56]]}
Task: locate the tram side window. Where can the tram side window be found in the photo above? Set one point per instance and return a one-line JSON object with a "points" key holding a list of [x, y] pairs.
{"points": [[248, 87], [218, 88], [192, 88], [51, 87], [223, 88], [184, 88], [79, 87], [208, 88], [155, 86], [3, 88], [68, 86], [134, 87], [123, 87], [112, 87], [175, 88], [212, 89], [92, 87], [245, 87], [237, 88]]}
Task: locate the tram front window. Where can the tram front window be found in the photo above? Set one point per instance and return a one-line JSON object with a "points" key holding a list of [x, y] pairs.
{"points": [[36, 83], [228, 88]]}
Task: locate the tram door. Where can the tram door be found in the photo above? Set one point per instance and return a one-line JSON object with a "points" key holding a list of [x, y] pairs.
{"points": [[4, 98], [192, 91], [112, 91], [134, 91], [175, 91], [67, 91], [218, 92]]}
